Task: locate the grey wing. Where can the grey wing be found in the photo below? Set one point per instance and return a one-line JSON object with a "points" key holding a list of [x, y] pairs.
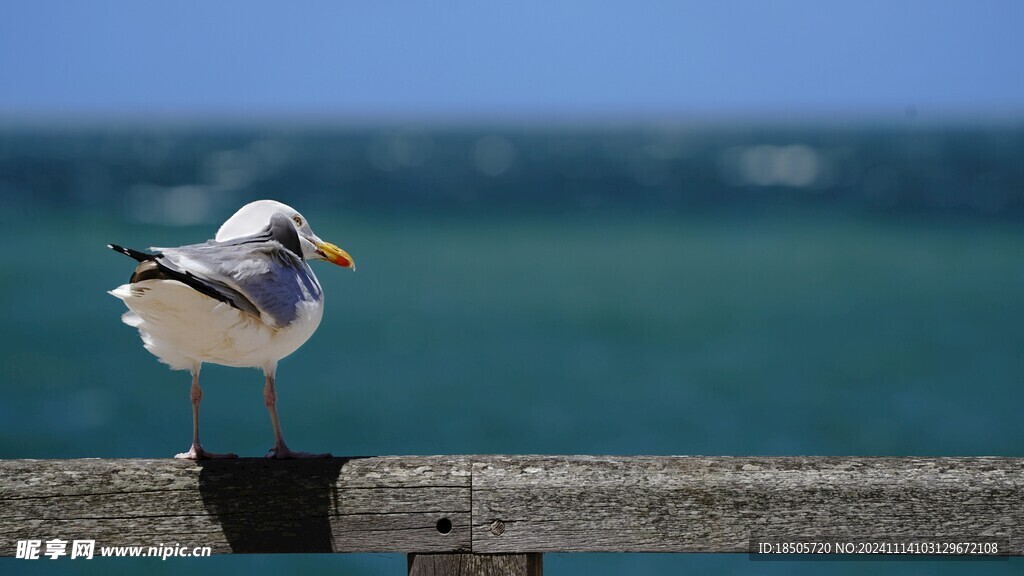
{"points": [[256, 274], [284, 282]]}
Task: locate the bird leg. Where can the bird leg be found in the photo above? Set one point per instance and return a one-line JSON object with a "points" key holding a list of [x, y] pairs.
{"points": [[280, 449], [196, 452]]}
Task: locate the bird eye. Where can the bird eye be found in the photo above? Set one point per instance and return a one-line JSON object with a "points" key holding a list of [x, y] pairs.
{"points": [[298, 220]]}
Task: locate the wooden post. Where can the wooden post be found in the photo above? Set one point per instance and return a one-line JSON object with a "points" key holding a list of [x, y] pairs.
{"points": [[476, 564]]}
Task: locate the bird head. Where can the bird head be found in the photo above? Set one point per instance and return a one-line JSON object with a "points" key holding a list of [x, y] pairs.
{"points": [[254, 217]]}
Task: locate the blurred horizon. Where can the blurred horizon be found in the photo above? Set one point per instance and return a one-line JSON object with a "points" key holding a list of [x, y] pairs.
{"points": [[895, 120], [190, 174]]}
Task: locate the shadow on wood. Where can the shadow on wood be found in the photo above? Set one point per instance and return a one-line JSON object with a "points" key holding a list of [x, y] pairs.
{"points": [[271, 505]]}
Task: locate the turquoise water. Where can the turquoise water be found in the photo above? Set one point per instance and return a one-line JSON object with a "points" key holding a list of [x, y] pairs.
{"points": [[769, 330]]}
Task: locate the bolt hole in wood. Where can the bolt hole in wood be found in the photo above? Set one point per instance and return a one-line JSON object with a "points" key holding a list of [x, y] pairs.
{"points": [[444, 525]]}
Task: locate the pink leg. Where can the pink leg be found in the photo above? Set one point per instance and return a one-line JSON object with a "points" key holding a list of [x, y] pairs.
{"points": [[196, 452], [280, 449]]}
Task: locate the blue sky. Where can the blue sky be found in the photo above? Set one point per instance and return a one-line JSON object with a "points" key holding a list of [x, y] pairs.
{"points": [[522, 59]]}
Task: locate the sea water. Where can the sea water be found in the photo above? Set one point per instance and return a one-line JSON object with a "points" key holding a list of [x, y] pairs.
{"points": [[769, 291]]}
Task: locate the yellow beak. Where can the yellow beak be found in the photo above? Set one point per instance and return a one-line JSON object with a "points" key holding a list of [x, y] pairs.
{"points": [[335, 255]]}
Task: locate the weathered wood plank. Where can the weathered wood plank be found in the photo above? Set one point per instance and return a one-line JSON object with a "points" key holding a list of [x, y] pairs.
{"points": [[387, 504], [510, 504], [705, 504], [476, 564]]}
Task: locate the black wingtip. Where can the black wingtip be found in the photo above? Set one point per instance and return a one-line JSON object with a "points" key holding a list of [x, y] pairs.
{"points": [[135, 254]]}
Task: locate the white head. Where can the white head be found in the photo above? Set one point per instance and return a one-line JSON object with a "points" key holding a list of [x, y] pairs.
{"points": [[255, 216]]}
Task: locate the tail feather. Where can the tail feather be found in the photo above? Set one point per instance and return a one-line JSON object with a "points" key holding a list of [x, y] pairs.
{"points": [[139, 256]]}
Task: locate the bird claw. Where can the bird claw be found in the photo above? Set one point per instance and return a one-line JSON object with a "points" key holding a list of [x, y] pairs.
{"points": [[282, 453], [197, 453]]}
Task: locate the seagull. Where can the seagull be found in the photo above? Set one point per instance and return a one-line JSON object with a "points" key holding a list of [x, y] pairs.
{"points": [[247, 298]]}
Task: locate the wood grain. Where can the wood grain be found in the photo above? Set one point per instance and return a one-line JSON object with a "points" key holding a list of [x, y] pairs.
{"points": [[511, 505], [704, 504], [476, 564], [382, 504]]}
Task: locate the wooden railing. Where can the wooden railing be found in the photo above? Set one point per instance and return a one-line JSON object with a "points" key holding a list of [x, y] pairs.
{"points": [[499, 514]]}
